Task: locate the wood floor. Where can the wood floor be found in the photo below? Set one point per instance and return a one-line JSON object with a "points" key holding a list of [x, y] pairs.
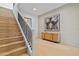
{"points": [[11, 40], [46, 48]]}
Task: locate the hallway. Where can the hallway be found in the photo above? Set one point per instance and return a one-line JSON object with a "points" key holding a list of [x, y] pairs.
{"points": [[46, 48]]}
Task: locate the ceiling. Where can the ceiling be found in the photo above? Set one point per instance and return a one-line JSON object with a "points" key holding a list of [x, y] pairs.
{"points": [[41, 7], [7, 5]]}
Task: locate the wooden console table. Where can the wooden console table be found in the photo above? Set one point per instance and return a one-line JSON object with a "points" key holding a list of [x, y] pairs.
{"points": [[51, 36]]}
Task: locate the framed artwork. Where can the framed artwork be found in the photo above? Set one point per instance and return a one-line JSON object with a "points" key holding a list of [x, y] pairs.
{"points": [[13, 4], [52, 23], [28, 20]]}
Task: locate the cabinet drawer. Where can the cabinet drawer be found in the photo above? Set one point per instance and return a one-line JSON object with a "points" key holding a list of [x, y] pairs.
{"points": [[48, 36]]}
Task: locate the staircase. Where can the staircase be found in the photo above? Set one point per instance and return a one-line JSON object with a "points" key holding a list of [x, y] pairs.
{"points": [[11, 39]]}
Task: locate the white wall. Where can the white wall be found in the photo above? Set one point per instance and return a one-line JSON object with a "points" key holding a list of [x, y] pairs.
{"points": [[15, 9], [69, 23], [33, 17], [7, 5], [34, 22]]}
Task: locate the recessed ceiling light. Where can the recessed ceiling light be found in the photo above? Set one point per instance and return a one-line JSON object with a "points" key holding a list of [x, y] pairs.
{"points": [[34, 9]]}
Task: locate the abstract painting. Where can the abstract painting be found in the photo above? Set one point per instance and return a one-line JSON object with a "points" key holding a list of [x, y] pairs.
{"points": [[52, 23]]}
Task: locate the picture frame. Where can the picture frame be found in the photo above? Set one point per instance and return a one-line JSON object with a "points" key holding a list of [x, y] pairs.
{"points": [[52, 23]]}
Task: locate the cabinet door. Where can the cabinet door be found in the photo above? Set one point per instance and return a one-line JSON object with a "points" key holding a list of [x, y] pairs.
{"points": [[42, 36], [55, 37]]}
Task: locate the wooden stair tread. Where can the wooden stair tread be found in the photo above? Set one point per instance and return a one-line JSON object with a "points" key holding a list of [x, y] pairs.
{"points": [[14, 50], [5, 32], [8, 47], [10, 43], [10, 37], [24, 54]]}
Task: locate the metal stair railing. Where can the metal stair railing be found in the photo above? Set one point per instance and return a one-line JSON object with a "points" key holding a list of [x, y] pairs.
{"points": [[27, 32]]}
